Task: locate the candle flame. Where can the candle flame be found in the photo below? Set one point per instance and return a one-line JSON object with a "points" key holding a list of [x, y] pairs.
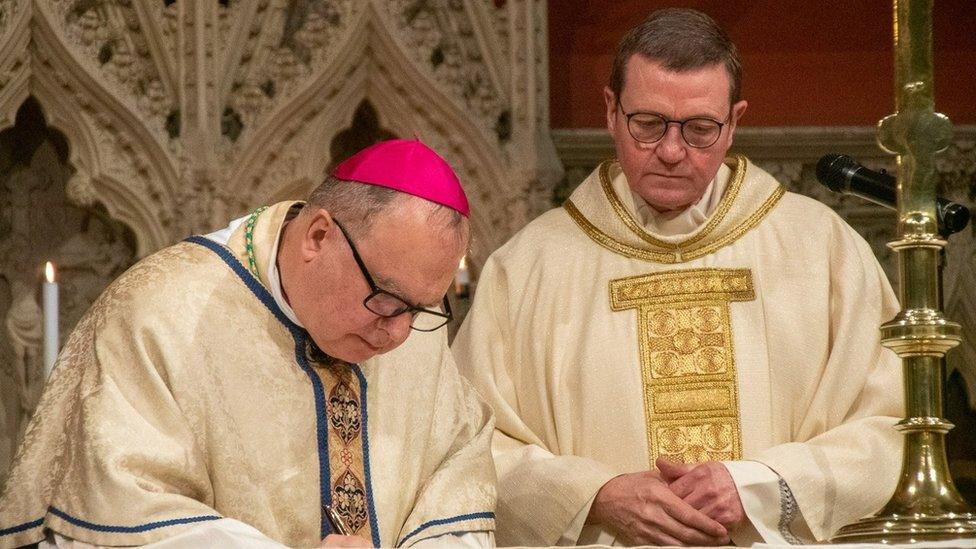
{"points": [[49, 271], [464, 263]]}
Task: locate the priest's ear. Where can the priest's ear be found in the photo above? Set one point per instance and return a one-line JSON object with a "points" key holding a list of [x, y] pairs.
{"points": [[318, 232], [611, 100], [738, 109]]}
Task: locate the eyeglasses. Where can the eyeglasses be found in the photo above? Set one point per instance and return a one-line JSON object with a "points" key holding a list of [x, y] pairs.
{"points": [[649, 127], [389, 305]]}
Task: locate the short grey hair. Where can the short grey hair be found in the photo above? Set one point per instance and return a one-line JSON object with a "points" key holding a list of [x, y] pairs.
{"points": [[356, 205], [681, 39]]}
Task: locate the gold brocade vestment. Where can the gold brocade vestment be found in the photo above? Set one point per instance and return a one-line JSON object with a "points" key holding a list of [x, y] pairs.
{"points": [[602, 346], [185, 395]]}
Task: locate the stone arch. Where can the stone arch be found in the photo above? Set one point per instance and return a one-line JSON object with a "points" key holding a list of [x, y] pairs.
{"points": [[40, 221], [113, 152], [371, 66], [364, 130]]}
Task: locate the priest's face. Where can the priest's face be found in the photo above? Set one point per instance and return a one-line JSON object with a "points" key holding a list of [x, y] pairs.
{"points": [[409, 250], [669, 173]]}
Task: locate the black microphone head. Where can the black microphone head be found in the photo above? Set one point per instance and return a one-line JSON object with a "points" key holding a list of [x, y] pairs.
{"points": [[834, 170], [953, 217]]}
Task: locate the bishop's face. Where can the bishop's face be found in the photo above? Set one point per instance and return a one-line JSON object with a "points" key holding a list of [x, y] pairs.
{"points": [[402, 252], [670, 174]]}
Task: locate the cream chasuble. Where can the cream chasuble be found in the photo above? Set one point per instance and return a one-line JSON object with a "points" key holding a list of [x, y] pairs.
{"points": [[602, 346], [186, 395]]}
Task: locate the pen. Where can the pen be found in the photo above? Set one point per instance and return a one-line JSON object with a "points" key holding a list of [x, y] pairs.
{"points": [[336, 520]]}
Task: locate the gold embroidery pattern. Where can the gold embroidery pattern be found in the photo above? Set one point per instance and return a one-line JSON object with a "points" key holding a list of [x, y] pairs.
{"points": [[691, 407], [682, 251], [610, 243], [735, 184], [346, 458]]}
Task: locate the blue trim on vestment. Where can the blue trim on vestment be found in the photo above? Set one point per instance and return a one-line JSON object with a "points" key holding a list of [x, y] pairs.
{"points": [[129, 529], [321, 434], [321, 420], [457, 533], [249, 280], [21, 527], [369, 483], [438, 522]]}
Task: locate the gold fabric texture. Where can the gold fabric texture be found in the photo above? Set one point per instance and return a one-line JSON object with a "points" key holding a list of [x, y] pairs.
{"points": [[684, 333], [185, 395]]}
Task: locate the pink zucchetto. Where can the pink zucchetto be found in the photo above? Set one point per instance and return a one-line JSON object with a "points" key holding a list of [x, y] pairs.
{"points": [[408, 166]]}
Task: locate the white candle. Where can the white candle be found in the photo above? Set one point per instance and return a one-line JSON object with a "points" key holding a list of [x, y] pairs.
{"points": [[50, 295], [462, 279]]}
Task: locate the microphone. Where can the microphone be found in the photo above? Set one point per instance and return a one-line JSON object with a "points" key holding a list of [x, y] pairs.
{"points": [[842, 174]]}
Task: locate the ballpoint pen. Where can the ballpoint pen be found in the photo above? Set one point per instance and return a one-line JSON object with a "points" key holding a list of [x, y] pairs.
{"points": [[336, 520]]}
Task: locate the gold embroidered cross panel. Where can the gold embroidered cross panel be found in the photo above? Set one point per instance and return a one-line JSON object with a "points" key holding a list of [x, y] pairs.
{"points": [[691, 407]]}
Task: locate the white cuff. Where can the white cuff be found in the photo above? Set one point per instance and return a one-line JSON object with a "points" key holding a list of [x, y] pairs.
{"points": [[768, 504], [578, 533]]}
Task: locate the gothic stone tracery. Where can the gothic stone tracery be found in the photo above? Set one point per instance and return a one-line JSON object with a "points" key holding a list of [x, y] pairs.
{"points": [[177, 115]]}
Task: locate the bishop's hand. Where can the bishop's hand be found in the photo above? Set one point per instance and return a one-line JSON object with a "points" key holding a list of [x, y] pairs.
{"points": [[640, 509], [335, 540], [707, 486]]}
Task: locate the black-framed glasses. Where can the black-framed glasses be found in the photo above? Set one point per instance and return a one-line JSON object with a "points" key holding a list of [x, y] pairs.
{"points": [[388, 305], [650, 127]]}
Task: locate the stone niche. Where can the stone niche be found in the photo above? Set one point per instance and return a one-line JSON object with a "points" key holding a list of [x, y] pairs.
{"points": [[43, 217]]}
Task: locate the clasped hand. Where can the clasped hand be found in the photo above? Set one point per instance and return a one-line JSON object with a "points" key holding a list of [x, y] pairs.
{"points": [[695, 504]]}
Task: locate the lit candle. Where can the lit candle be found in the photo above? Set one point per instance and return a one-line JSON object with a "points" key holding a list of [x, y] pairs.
{"points": [[462, 280], [50, 295]]}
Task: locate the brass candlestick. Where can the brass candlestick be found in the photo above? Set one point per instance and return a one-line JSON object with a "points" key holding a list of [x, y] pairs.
{"points": [[926, 505]]}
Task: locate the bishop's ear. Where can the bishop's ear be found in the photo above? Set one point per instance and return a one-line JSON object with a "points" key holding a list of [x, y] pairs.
{"points": [[320, 233]]}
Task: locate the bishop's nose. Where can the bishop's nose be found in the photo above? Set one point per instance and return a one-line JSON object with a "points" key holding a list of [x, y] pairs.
{"points": [[391, 332]]}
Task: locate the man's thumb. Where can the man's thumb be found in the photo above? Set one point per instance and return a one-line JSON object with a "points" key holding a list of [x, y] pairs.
{"points": [[672, 470]]}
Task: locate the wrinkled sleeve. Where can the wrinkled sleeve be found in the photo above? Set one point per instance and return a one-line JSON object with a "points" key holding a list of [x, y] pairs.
{"points": [[770, 508], [539, 493], [467, 540], [129, 470], [845, 459], [135, 472], [459, 497]]}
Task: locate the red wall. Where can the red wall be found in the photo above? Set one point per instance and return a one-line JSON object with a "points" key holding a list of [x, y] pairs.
{"points": [[805, 63]]}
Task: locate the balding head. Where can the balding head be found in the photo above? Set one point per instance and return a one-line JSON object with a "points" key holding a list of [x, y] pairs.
{"points": [[357, 206], [408, 247]]}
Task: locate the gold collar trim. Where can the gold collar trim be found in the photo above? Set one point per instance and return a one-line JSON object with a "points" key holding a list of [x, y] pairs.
{"points": [[680, 252], [610, 243], [731, 193]]}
